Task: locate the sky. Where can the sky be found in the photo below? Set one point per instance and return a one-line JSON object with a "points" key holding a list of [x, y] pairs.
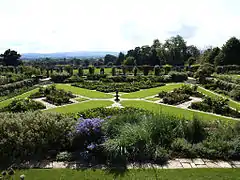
{"points": [[46, 26]]}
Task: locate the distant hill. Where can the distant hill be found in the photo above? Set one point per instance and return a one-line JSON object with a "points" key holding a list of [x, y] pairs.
{"points": [[58, 55]]}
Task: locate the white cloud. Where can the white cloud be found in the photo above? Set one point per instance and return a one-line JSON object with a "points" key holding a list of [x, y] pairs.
{"points": [[71, 25]]}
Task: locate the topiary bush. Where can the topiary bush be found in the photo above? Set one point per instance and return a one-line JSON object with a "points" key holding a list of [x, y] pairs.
{"points": [[157, 70], [91, 70], [178, 76], [59, 77]]}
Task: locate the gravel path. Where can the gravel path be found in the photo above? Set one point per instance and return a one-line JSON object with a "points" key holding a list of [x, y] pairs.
{"points": [[185, 105]]}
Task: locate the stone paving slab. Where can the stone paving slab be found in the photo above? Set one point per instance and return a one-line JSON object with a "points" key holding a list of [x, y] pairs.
{"points": [[198, 161], [223, 164], [201, 166], [186, 165], [212, 165], [171, 164]]}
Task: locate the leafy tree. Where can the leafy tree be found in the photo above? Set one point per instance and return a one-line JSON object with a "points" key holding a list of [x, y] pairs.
{"points": [[231, 52], [86, 62], [10, 58], [120, 59], [212, 55], [175, 50], [110, 58], [130, 61], [192, 51]]}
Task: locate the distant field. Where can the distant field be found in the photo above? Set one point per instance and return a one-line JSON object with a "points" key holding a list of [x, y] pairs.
{"points": [[188, 114], [73, 108], [151, 92], [83, 92]]}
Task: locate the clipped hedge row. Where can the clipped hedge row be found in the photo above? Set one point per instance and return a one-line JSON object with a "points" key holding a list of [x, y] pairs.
{"points": [[122, 87], [12, 87]]}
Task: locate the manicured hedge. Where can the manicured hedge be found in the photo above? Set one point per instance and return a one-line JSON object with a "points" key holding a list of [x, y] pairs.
{"points": [[12, 87], [122, 87]]}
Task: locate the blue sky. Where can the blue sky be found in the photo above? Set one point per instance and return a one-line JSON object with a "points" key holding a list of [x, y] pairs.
{"points": [[44, 26]]}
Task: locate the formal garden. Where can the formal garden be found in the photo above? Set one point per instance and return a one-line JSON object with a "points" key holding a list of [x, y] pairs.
{"points": [[125, 121]]}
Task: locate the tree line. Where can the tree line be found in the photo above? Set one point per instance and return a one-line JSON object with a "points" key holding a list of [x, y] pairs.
{"points": [[173, 51]]}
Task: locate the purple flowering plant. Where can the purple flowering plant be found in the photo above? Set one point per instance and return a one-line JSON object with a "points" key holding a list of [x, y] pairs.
{"points": [[90, 130]]}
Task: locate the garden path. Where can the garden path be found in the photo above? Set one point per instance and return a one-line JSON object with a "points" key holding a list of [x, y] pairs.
{"points": [[171, 164], [185, 105]]}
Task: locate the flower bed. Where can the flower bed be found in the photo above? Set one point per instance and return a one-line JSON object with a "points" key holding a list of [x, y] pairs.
{"points": [[53, 95], [122, 138]]}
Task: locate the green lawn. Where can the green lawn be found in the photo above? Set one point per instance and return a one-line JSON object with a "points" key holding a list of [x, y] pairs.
{"points": [[188, 114], [231, 103], [83, 92], [73, 108], [24, 95], [153, 99], [133, 174], [81, 99], [153, 91]]}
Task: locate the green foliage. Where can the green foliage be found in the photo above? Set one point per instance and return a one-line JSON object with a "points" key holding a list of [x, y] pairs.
{"points": [[105, 112], [96, 76], [156, 70], [135, 71], [228, 69], [145, 70], [53, 95], [178, 76], [218, 106], [167, 68], [191, 61], [64, 156], [114, 71], [230, 52], [11, 58], [129, 61], [74, 78], [122, 87], [102, 71], [91, 70], [6, 78], [235, 94], [80, 71], [205, 70], [59, 77], [16, 86], [69, 69], [179, 95], [33, 134], [22, 105]]}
